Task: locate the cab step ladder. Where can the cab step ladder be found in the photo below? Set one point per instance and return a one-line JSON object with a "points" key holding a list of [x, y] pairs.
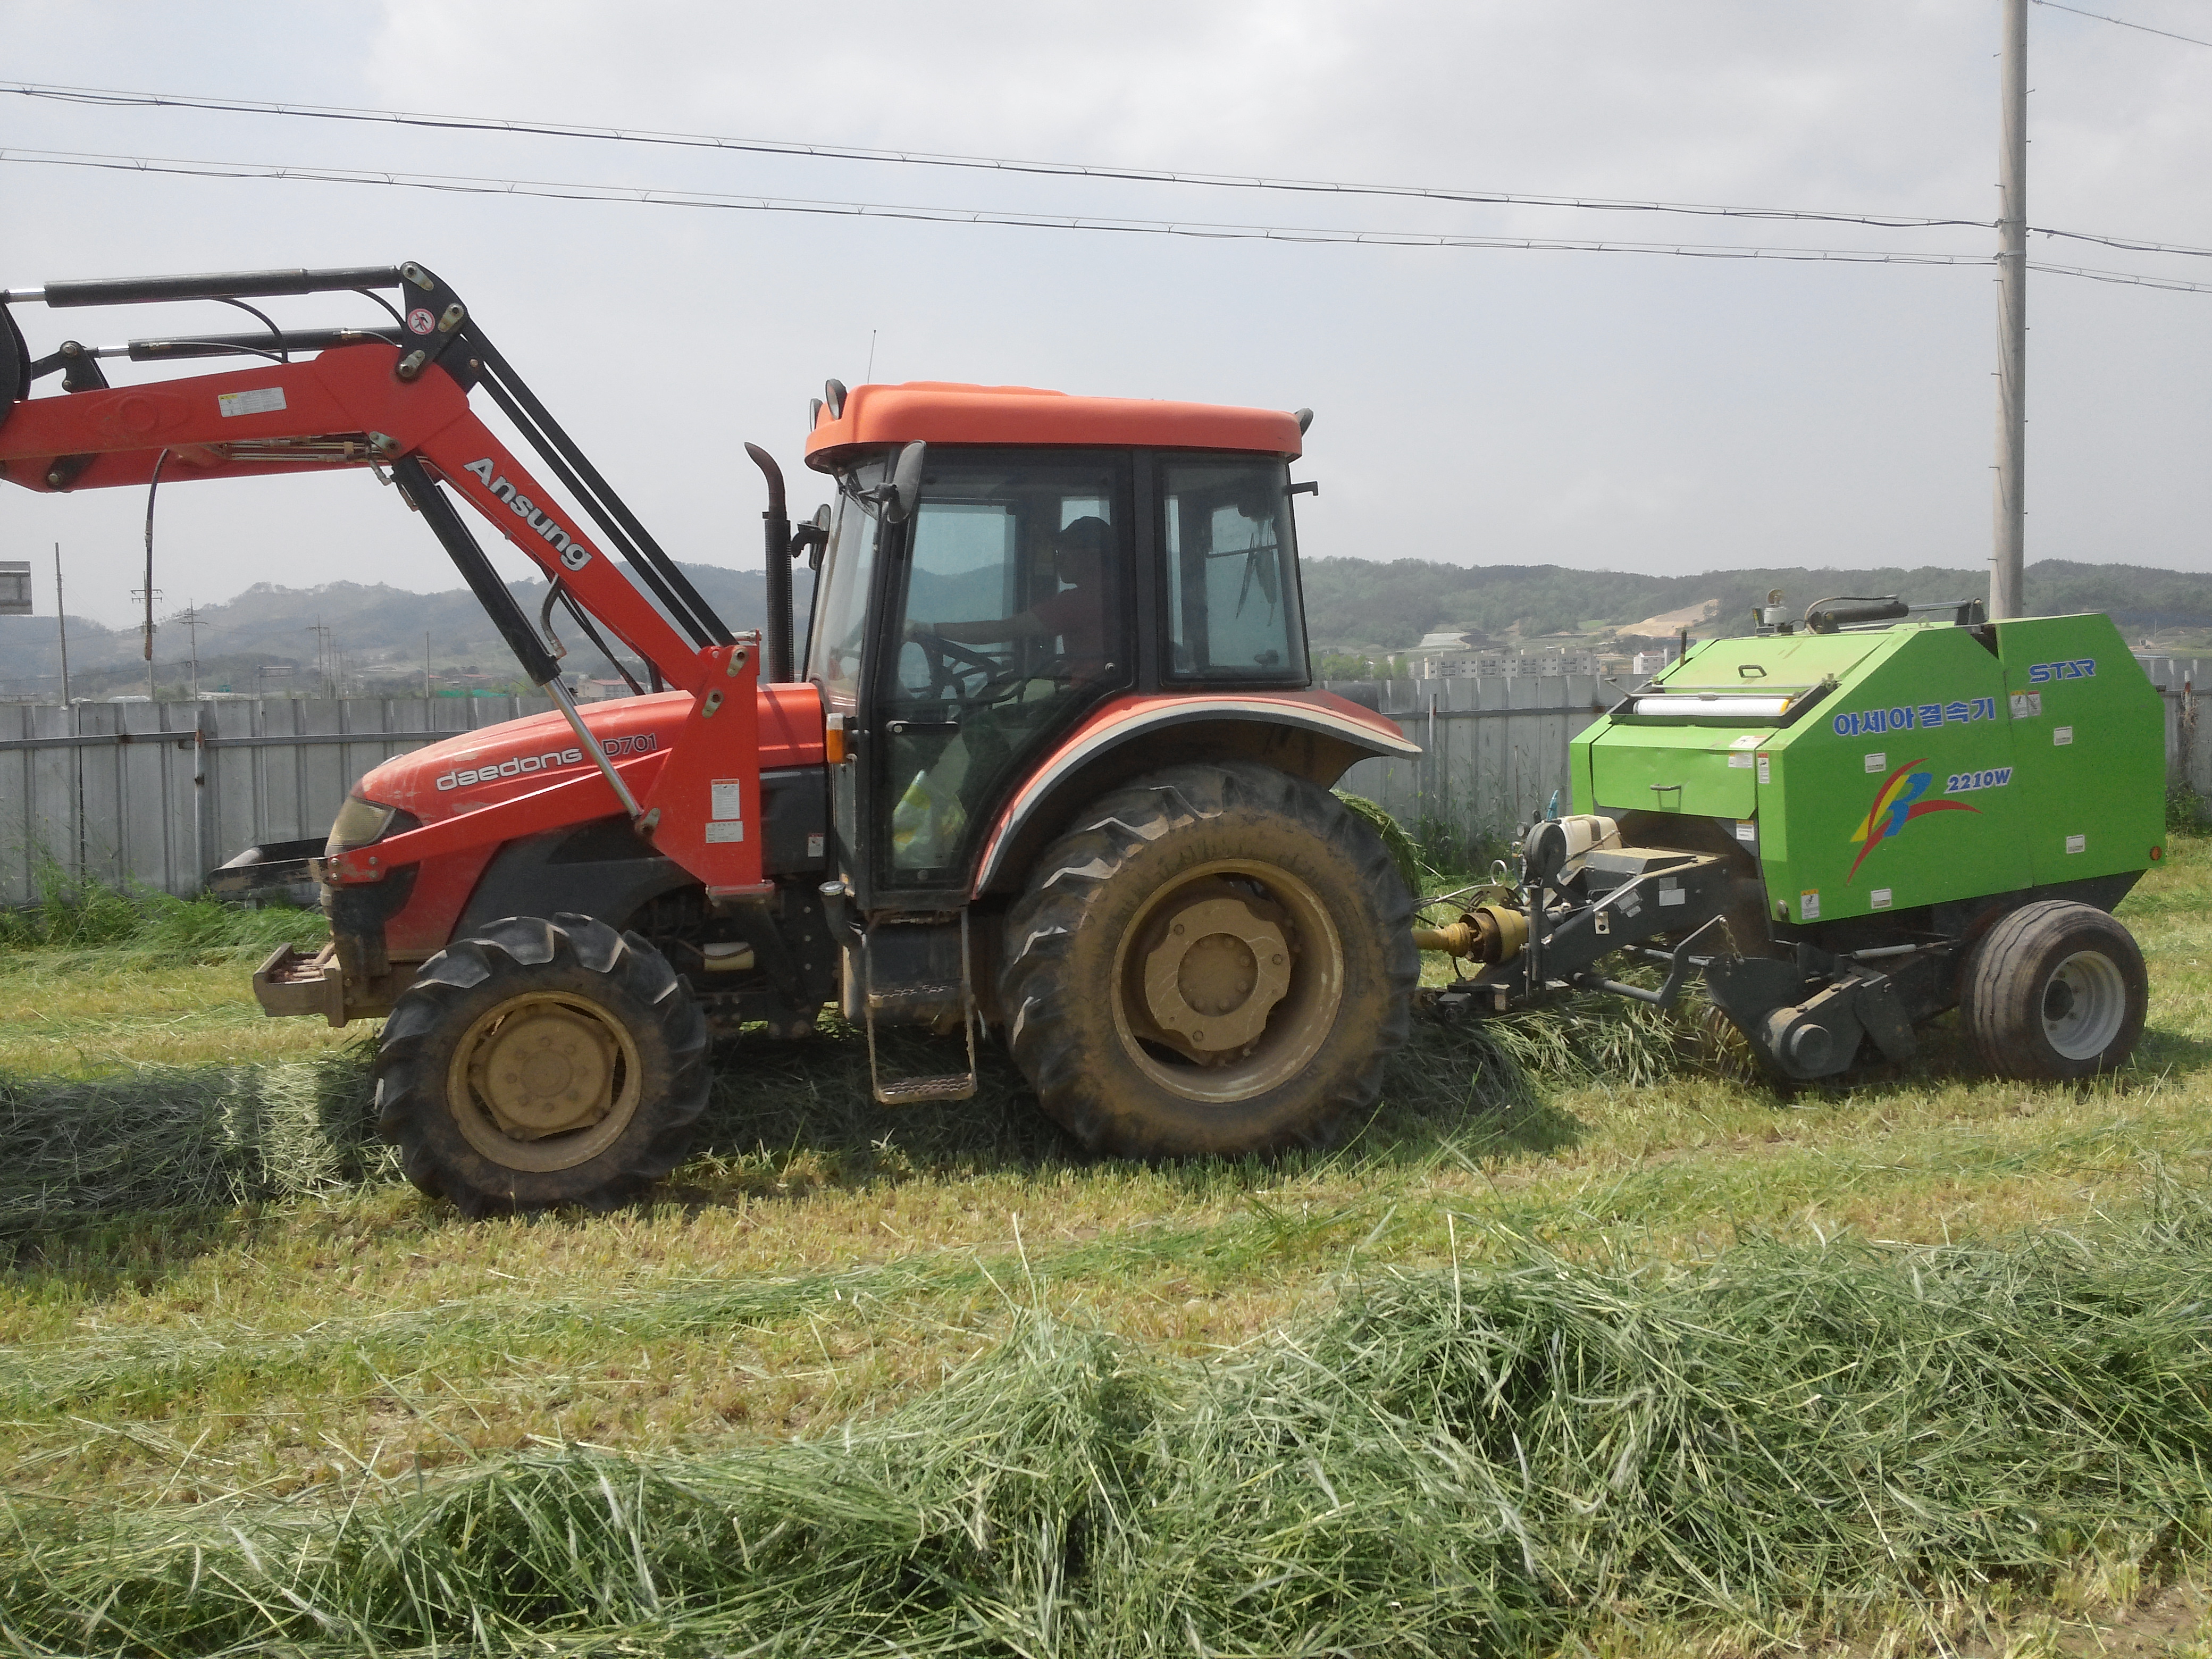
{"points": [[904, 1092]]}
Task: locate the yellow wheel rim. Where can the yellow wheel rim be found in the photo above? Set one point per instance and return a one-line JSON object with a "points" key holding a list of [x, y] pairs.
{"points": [[543, 1081], [1228, 981]]}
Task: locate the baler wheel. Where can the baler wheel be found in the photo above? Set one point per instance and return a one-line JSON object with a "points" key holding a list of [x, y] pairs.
{"points": [[541, 1063], [2054, 990], [1218, 959]]}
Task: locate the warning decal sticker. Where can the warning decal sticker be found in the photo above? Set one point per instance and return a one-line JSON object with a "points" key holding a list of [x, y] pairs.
{"points": [[262, 400]]}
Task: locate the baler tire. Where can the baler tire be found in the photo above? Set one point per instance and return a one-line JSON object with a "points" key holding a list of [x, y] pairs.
{"points": [[1243, 841], [2054, 991], [609, 994]]}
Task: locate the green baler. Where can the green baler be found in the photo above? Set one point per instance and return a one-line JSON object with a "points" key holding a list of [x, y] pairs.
{"points": [[1850, 828]]}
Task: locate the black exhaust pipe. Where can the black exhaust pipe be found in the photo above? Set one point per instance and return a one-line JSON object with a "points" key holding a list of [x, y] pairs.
{"points": [[776, 523]]}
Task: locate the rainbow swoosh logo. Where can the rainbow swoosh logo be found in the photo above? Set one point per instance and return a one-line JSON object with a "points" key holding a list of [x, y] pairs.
{"points": [[1896, 804]]}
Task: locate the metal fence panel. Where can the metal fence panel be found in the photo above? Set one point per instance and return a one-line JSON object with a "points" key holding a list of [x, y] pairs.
{"points": [[2180, 681], [156, 794], [1495, 747]]}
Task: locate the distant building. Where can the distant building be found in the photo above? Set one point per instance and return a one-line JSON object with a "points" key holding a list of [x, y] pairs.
{"points": [[1555, 662], [1489, 665]]}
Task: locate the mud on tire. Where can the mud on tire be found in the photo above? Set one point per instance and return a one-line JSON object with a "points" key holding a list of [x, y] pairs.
{"points": [[540, 1063], [1217, 959], [2054, 990]]}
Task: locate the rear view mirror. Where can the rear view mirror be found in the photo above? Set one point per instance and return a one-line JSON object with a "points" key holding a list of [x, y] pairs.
{"points": [[811, 536], [905, 488]]}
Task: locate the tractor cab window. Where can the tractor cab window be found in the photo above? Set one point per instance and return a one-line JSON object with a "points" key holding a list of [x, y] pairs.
{"points": [[1232, 584], [1011, 619], [840, 613]]}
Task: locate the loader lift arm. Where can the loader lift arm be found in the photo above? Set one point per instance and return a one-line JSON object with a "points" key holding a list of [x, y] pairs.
{"points": [[396, 397]]}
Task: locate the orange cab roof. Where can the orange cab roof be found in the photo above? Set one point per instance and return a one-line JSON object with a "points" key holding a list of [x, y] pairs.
{"points": [[943, 412]]}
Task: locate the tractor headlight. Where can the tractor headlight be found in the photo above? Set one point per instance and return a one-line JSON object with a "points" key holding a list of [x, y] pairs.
{"points": [[358, 823]]}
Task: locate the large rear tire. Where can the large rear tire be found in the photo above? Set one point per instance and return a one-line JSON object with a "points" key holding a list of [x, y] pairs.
{"points": [[2054, 990], [1217, 960], [542, 1063]]}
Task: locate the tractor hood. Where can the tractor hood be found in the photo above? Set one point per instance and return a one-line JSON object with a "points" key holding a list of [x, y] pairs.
{"points": [[472, 770]]}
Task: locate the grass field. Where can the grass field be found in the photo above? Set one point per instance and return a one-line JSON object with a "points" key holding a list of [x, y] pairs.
{"points": [[1569, 1349]]}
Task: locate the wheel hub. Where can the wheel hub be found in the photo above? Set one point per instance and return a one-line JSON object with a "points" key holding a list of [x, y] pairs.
{"points": [[547, 1070], [1219, 968], [2084, 1005]]}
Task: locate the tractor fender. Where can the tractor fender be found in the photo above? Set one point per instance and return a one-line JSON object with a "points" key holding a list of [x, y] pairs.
{"points": [[1315, 735]]}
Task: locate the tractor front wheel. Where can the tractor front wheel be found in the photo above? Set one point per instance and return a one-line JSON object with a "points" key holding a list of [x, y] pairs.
{"points": [[1218, 959], [2054, 990], [542, 1063]]}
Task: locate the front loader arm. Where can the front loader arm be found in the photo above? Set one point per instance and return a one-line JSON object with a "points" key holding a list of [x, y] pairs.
{"points": [[400, 399], [343, 408]]}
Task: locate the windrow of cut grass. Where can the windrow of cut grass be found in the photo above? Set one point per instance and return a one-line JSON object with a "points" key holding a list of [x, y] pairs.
{"points": [[180, 1137], [143, 927], [79, 1151], [1777, 1444]]}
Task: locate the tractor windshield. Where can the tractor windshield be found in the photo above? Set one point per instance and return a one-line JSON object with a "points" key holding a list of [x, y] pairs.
{"points": [[840, 613]]}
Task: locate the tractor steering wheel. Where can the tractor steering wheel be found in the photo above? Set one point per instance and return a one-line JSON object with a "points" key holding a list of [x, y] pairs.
{"points": [[959, 673]]}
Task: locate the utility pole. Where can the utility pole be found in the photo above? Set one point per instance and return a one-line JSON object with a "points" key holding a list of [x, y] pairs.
{"points": [[190, 616], [2006, 560], [61, 620], [426, 664], [322, 652]]}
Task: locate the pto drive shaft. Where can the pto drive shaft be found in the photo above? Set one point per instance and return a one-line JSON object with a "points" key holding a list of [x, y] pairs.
{"points": [[1490, 933]]}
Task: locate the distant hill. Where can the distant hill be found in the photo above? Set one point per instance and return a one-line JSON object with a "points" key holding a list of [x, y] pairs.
{"points": [[1360, 602], [378, 630], [1350, 604]]}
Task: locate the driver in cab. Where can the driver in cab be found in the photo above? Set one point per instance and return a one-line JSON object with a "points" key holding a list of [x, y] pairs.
{"points": [[1075, 615]]}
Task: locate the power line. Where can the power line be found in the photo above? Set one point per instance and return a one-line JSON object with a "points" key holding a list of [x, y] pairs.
{"points": [[109, 98], [2127, 243], [649, 196], [2189, 40], [643, 196]]}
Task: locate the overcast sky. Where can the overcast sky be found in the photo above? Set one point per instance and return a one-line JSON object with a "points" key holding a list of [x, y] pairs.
{"points": [[1601, 409]]}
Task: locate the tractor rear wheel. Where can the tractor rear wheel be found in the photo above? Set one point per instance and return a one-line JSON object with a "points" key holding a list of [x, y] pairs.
{"points": [[1218, 959], [2054, 990], [541, 1063]]}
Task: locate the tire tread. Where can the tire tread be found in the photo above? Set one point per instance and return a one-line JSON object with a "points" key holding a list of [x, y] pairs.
{"points": [[1044, 928], [410, 1054]]}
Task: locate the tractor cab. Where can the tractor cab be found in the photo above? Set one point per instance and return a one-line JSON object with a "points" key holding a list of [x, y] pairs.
{"points": [[1044, 558]]}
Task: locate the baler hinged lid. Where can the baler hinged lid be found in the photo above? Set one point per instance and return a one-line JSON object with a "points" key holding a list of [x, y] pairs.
{"points": [[1771, 662], [1764, 680]]}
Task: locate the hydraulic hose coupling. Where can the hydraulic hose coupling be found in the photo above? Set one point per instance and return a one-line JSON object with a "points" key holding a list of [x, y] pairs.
{"points": [[1489, 933]]}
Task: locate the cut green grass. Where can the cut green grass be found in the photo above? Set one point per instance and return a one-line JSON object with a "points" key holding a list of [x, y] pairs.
{"points": [[224, 1311], [1778, 1444]]}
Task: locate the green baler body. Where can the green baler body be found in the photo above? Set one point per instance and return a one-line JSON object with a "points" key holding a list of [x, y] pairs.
{"points": [[1931, 771]]}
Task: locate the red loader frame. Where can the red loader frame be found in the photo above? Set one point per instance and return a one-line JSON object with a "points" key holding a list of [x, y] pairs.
{"points": [[398, 398]]}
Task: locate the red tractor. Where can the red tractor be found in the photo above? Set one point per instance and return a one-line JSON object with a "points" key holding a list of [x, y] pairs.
{"points": [[1053, 764]]}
